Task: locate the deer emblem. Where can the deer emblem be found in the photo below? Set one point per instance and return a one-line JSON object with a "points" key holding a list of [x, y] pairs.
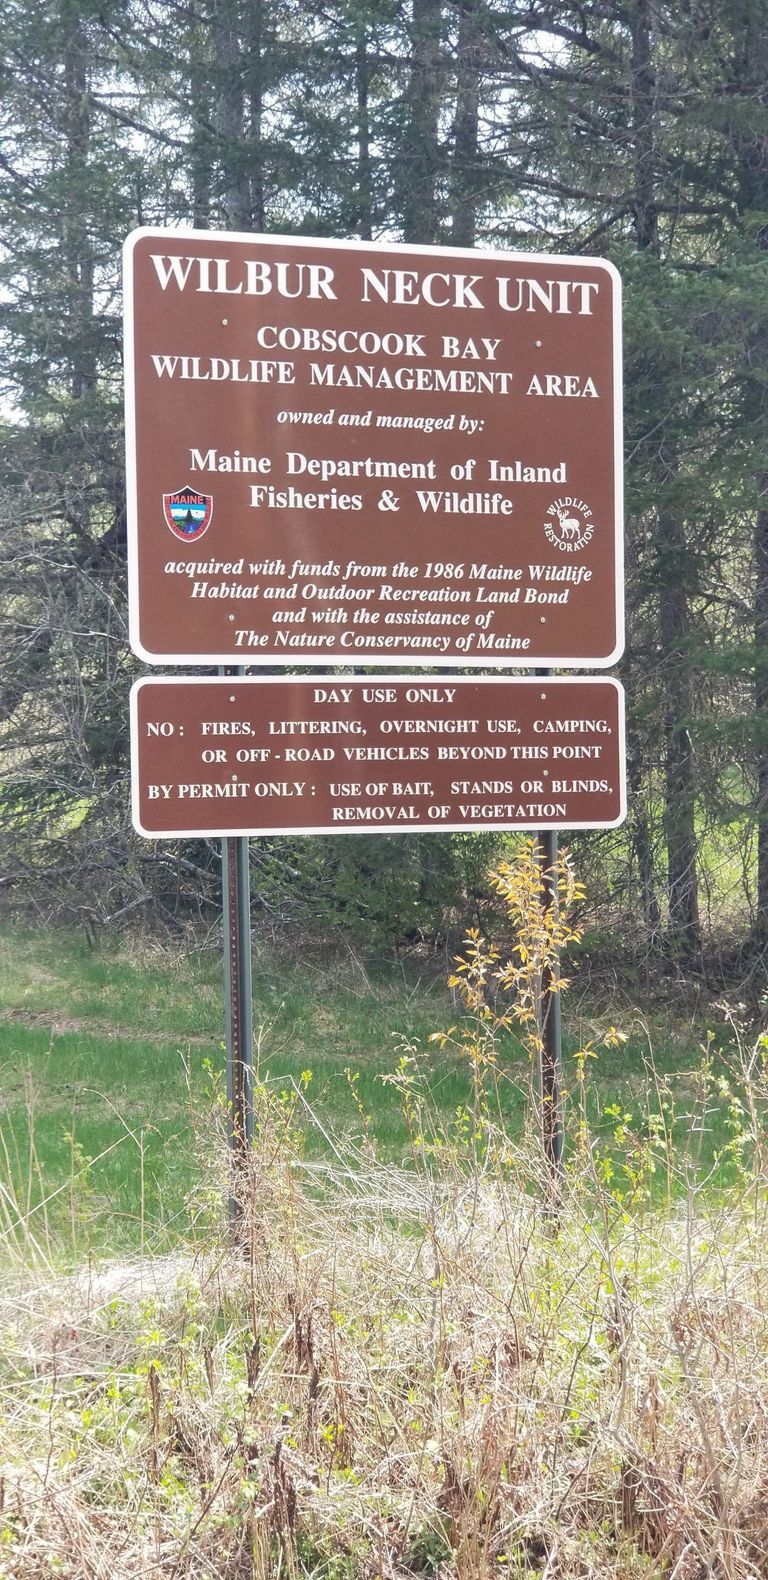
{"points": [[570, 526], [573, 531]]}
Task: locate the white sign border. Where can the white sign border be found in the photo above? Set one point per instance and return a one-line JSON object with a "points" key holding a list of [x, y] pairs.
{"points": [[323, 660]]}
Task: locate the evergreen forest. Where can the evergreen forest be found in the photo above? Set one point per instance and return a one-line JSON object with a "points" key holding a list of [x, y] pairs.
{"points": [[635, 130]]}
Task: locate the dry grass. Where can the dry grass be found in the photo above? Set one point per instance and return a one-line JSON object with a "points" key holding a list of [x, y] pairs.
{"points": [[398, 1373], [443, 1369]]}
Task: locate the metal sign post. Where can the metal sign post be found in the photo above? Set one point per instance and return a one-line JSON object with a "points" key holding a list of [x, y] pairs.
{"points": [[236, 908], [550, 1028], [550, 1020], [237, 979]]}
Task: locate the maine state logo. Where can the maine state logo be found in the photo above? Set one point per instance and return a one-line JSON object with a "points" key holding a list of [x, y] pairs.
{"points": [[188, 513]]}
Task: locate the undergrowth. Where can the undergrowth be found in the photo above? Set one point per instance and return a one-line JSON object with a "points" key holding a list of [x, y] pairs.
{"points": [[457, 1366]]}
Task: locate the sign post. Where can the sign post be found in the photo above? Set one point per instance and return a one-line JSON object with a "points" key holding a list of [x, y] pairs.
{"points": [[550, 1023], [236, 913], [237, 980], [550, 1029]]}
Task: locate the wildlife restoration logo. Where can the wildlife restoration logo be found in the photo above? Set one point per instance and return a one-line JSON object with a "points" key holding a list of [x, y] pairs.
{"points": [[188, 513], [569, 525]]}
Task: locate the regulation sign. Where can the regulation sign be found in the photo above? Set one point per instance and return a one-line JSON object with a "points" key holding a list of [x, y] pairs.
{"points": [[345, 453], [341, 755]]}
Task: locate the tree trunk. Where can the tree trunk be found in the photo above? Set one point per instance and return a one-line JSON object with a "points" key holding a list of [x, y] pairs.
{"points": [[364, 181], [674, 610], [679, 772], [643, 93], [255, 89], [77, 252], [641, 839], [753, 201], [761, 708], [201, 111], [465, 146], [229, 112], [421, 223]]}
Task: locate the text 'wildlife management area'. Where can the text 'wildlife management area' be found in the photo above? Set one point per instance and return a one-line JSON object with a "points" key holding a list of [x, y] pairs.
{"points": [[348, 453]]}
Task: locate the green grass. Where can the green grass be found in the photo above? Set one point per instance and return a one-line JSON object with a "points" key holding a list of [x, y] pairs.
{"points": [[112, 1047], [105, 1053]]}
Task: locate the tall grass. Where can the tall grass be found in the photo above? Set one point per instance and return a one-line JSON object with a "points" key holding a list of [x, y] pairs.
{"points": [[417, 1368], [399, 1371]]}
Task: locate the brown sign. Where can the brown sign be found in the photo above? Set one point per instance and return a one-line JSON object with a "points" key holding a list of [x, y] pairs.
{"points": [[343, 453], [341, 755]]}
